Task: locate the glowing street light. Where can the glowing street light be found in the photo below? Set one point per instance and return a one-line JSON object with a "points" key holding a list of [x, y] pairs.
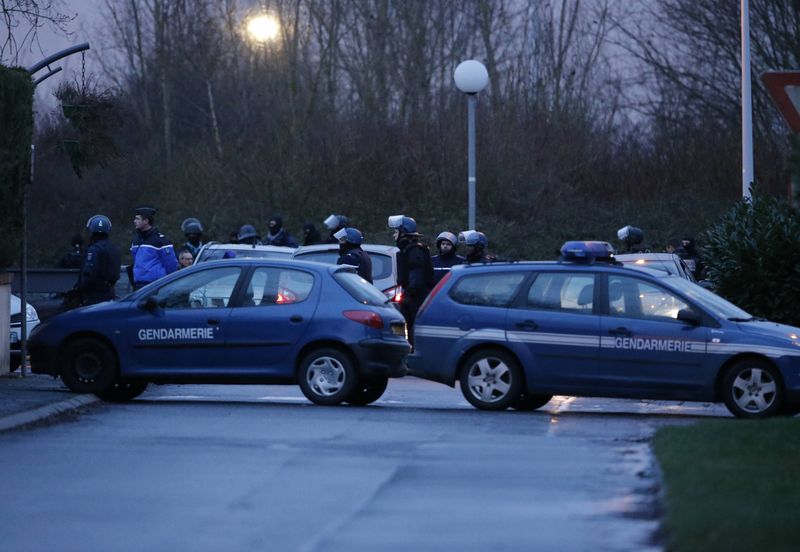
{"points": [[263, 28]]}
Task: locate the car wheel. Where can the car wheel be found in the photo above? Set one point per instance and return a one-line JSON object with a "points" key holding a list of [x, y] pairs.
{"points": [[368, 391], [526, 402], [88, 366], [327, 376], [123, 391], [491, 380], [753, 388]]}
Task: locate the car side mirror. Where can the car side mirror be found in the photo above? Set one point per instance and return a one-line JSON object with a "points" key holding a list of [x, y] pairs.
{"points": [[690, 316], [149, 303]]}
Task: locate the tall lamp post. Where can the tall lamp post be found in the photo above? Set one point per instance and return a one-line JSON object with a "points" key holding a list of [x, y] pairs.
{"points": [[471, 77]]}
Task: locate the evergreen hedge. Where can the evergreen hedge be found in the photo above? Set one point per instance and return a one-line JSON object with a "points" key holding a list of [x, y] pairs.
{"points": [[753, 257], [16, 122]]}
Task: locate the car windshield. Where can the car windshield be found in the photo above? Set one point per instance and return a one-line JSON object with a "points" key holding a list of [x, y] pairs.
{"points": [[361, 290], [381, 264], [717, 305], [216, 254]]}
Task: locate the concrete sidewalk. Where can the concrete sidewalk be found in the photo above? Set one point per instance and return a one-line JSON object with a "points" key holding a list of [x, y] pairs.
{"points": [[35, 398]]}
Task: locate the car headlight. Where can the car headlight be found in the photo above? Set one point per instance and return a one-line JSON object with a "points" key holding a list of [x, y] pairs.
{"points": [[30, 314]]}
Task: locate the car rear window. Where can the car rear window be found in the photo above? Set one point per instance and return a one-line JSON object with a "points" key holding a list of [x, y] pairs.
{"points": [[361, 290], [487, 289], [381, 264], [216, 254]]}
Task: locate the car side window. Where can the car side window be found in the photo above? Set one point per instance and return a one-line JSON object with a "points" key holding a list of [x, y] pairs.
{"points": [[203, 289], [634, 298], [487, 289], [562, 291], [277, 286]]}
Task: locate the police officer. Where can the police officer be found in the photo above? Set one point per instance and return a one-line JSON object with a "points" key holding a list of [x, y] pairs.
{"points": [[193, 231], [350, 252], [311, 235], [74, 258], [153, 254], [414, 268], [334, 223], [477, 247], [248, 235], [100, 266], [277, 234], [692, 258], [446, 243]]}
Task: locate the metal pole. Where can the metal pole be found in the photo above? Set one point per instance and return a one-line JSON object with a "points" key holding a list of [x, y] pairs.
{"points": [[747, 105], [24, 271], [471, 101]]}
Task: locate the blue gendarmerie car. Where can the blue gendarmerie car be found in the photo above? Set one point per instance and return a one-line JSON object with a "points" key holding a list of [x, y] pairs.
{"points": [[238, 321], [515, 334]]}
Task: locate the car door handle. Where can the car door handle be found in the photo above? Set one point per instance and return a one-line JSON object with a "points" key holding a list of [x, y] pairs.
{"points": [[621, 331], [296, 318], [213, 321], [527, 325]]}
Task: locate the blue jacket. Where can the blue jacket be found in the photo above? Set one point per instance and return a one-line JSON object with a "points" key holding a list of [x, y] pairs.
{"points": [[442, 265], [153, 257]]}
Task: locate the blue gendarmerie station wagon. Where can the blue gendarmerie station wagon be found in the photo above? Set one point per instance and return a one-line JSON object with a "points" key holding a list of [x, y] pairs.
{"points": [[515, 334], [238, 321]]}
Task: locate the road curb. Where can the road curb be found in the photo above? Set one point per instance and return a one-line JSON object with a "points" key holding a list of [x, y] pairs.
{"points": [[43, 412]]}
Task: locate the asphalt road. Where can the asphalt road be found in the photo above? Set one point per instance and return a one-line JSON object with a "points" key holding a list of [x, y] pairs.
{"points": [[259, 468]]}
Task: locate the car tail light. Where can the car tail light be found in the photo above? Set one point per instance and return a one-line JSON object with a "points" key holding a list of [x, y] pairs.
{"points": [[433, 293], [394, 294], [368, 318]]}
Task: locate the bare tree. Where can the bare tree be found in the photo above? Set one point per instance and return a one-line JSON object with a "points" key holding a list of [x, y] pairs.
{"points": [[22, 20]]}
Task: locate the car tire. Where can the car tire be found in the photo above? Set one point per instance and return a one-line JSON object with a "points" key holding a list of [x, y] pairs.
{"points": [[526, 402], [123, 391], [368, 391], [491, 380], [327, 376], [88, 366], [753, 388]]}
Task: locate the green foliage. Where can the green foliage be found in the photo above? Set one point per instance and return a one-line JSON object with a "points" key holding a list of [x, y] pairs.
{"points": [[731, 485], [16, 122], [753, 256]]}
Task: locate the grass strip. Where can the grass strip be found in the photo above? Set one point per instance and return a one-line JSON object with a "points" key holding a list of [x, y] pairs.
{"points": [[731, 485]]}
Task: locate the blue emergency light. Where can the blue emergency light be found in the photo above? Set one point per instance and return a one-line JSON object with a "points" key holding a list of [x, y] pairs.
{"points": [[587, 252]]}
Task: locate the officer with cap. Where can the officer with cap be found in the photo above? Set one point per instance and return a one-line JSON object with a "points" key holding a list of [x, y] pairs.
{"points": [[477, 247], [277, 234], [414, 268], [446, 243], [100, 266], [153, 254], [193, 231], [350, 252]]}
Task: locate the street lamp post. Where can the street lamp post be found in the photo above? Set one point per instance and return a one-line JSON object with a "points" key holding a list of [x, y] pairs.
{"points": [[471, 77]]}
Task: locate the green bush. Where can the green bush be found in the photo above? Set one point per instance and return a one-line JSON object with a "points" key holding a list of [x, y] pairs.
{"points": [[753, 256], [16, 122]]}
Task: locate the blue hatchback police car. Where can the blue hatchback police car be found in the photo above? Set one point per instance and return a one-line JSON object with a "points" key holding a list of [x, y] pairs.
{"points": [[238, 321], [515, 334]]}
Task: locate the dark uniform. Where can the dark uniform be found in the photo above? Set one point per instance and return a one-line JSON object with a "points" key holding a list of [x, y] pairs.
{"points": [[357, 257], [443, 262], [277, 234], [99, 271]]}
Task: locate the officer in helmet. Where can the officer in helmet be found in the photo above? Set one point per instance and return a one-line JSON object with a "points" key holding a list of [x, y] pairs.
{"points": [[446, 243], [350, 252], [248, 234], [193, 231], [414, 268], [101, 263], [334, 223], [477, 247]]}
